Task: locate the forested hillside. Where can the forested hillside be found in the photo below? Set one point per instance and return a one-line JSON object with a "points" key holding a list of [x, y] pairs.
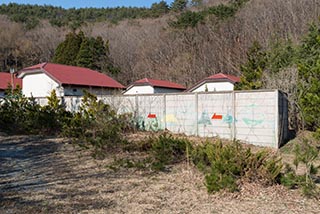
{"points": [[269, 43], [183, 44]]}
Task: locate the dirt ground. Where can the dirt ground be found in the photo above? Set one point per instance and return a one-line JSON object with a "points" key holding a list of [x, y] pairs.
{"points": [[48, 175]]}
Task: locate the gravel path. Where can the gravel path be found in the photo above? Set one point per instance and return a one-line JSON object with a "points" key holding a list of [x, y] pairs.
{"points": [[44, 175]]}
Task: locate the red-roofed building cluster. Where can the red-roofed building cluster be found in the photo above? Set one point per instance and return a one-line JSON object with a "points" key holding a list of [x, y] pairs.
{"points": [[39, 80]]}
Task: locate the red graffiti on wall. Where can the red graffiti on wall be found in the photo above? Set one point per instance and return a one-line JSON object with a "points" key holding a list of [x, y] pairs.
{"points": [[216, 116], [152, 116]]}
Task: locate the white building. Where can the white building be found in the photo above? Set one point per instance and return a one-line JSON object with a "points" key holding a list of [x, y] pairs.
{"points": [[39, 80], [217, 82], [152, 86]]}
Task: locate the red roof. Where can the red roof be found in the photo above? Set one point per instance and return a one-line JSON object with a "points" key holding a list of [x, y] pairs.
{"points": [[221, 76], [5, 80], [73, 75], [158, 83]]}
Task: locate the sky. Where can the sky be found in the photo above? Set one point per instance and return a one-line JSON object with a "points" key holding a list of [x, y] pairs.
{"points": [[87, 3]]}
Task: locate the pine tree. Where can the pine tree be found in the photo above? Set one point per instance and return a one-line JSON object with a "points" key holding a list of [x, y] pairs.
{"points": [[179, 5], [100, 54], [159, 9], [85, 55], [252, 70], [309, 78], [89, 52], [67, 51]]}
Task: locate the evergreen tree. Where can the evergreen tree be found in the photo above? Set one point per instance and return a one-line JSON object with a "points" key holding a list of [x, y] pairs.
{"points": [[282, 54], [159, 9], [100, 54], [67, 51], [89, 52], [179, 5], [309, 77], [85, 55], [252, 70]]}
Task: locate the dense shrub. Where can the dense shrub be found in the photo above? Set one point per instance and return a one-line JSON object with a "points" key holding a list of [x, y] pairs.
{"points": [[168, 150], [187, 19], [305, 154], [54, 116], [96, 126], [159, 153], [22, 115], [221, 11], [223, 165], [309, 76]]}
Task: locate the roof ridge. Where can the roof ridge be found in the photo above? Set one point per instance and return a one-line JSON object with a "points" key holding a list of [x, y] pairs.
{"points": [[44, 64]]}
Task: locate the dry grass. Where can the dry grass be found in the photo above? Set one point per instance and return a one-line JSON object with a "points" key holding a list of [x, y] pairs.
{"points": [[43, 175]]}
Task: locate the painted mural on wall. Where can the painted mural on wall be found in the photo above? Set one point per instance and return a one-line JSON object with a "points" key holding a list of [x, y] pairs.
{"points": [[251, 115], [255, 117], [180, 114]]}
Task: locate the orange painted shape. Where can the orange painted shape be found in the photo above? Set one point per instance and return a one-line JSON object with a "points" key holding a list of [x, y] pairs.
{"points": [[216, 116], [152, 116]]}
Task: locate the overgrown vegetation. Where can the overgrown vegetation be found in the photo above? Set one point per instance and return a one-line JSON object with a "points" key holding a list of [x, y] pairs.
{"points": [[74, 18], [22, 115], [96, 126], [225, 165], [268, 63], [221, 11], [160, 153], [283, 65], [305, 155], [167, 150], [30, 15]]}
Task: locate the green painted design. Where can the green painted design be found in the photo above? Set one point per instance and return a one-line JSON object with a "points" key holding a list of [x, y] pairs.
{"points": [[205, 119], [251, 122]]}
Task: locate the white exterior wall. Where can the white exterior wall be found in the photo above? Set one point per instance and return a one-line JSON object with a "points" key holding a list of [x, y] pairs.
{"points": [[159, 90], [38, 85], [215, 86], [145, 89], [78, 91]]}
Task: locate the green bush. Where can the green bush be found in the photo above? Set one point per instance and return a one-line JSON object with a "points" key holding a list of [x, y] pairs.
{"points": [[22, 115], [18, 114], [223, 11], [53, 116], [166, 150], [187, 19], [305, 154], [223, 165], [96, 126]]}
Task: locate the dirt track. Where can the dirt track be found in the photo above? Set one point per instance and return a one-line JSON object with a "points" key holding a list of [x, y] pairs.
{"points": [[43, 175]]}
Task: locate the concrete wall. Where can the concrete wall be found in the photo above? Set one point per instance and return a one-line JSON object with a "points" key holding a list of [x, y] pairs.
{"points": [[38, 85], [215, 86], [257, 117]]}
